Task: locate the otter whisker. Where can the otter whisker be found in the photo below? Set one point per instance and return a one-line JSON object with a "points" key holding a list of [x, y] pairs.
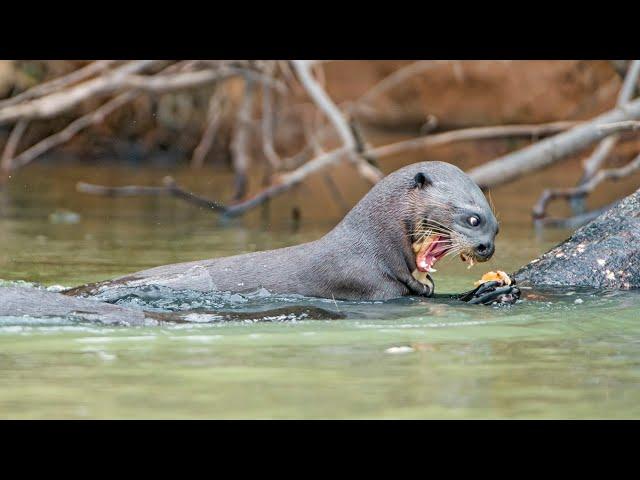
{"points": [[454, 251], [438, 225], [425, 229], [435, 223], [436, 230], [426, 233], [424, 226], [448, 242]]}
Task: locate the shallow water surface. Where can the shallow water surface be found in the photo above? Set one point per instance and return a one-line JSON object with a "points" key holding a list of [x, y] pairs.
{"points": [[572, 354]]}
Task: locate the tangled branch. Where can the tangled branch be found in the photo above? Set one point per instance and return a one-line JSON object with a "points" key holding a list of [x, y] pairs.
{"points": [[267, 86], [592, 174], [587, 187], [326, 105]]}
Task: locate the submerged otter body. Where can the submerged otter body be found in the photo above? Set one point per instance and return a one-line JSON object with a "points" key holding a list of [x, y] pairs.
{"points": [[367, 256]]}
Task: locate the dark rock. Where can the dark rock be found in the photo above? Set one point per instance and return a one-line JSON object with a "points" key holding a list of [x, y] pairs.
{"points": [[605, 253]]}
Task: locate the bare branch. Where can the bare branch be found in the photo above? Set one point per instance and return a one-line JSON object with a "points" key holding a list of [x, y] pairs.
{"points": [[246, 70], [240, 142], [593, 163], [551, 150], [178, 81], [323, 160], [59, 83], [215, 113], [324, 102], [61, 101], [573, 222], [170, 188], [397, 77], [71, 130], [588, 187], [10, 148], [77, 125], [630, 83], [288, 180], [268, 120], [118, 79], [475, 133], [616, 127]]}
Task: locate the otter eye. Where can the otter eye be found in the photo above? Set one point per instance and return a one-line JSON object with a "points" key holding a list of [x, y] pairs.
{"points": [[473, 220]]}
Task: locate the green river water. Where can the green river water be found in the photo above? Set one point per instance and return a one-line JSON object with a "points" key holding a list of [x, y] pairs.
{"points": [[575, 355]]}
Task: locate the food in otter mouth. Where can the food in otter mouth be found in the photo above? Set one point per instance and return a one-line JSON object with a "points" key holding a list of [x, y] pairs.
{"points": [[498, 276], [468, 258], [429, 251]]}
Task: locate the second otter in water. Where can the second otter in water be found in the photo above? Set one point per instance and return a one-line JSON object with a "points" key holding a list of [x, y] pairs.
{"points": [[384, 248]]}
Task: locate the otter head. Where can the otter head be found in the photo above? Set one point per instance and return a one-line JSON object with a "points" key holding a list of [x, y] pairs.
{"points": [[447, 215]]}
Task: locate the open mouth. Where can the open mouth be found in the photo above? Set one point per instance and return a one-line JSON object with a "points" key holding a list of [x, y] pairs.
{"points": [[429, 250]]}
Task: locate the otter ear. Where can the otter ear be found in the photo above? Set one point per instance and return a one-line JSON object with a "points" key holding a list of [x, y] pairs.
{"points": [[421, 180]]}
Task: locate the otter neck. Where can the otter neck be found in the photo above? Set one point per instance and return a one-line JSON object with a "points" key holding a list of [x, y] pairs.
{"points": [[378, 230]]}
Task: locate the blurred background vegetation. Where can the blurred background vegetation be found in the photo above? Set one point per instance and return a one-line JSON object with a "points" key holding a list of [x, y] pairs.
{"points": [[266, 122]]}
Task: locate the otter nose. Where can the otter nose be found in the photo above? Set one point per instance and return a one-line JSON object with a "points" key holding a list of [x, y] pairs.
{"points": [[485, 250]]}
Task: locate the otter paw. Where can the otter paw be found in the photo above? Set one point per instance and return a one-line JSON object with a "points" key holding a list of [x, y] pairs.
{"points": [[492, 292]]}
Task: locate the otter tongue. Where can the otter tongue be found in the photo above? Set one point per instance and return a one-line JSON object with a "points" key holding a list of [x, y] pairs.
{"points": [[427, 255]]}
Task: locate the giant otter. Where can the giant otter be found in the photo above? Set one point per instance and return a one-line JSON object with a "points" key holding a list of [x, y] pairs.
{"points": [[384, 248]]}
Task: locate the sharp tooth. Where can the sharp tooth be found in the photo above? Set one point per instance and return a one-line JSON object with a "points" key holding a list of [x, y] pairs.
{"points": [[431, 270]]}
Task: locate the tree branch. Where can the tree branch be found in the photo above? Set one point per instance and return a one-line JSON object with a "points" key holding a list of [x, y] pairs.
{"points": [[59, 83], [551, 150], [170, 188], [287, 181], [71, 130], [474, 133], [324, 103], [573, 222], [588, 187], [600, 154], [240, 142], [160, 83], [6, 163], [60, 101], [267, 130], [215, 113]]}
